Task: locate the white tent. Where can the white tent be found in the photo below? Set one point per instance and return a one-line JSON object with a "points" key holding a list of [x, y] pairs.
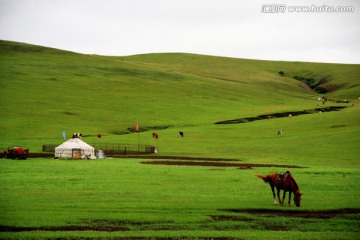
{"points": [[76, 149]]}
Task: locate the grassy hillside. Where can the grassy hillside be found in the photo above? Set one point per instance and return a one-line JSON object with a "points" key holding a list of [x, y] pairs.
{"points": [[46, 91]]}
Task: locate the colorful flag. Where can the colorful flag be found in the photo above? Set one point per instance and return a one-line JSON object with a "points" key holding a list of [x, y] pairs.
{"points": [[137, 126]]}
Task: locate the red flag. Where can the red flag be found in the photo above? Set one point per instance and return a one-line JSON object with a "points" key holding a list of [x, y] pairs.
{"points": [[137, 127], [99, 135]]}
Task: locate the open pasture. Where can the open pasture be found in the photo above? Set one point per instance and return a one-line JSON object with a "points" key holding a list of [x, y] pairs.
{"points": [[112, 198], [206, 188], [124, 198]]}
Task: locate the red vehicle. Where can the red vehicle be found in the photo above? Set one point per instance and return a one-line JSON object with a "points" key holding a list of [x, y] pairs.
{"points": [[16, 153]]}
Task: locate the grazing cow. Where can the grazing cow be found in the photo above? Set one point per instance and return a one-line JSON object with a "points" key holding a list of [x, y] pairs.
{"points": [[155, 135], [181, 134]]}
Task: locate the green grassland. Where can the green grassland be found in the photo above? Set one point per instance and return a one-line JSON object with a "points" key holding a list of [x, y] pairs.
{"points": [[46, 91]]}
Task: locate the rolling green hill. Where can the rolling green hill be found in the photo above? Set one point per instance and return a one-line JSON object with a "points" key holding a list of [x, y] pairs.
{"points": [[221, 105], [46, 91]]}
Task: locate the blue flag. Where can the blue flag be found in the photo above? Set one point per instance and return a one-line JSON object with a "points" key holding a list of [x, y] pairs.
{"points": [[64, 135]]}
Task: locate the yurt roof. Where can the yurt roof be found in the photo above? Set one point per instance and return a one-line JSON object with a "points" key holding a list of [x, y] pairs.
{"points": [[74, 143]]}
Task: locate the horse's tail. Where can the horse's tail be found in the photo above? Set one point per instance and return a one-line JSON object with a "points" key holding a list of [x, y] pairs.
{"points": [[265, 178]]}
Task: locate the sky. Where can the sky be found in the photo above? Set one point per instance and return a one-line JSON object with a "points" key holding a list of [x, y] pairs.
{"points": [[253, 29]]}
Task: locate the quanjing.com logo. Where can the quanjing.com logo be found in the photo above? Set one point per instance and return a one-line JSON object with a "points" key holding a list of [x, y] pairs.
{"points": [[282, 8]]}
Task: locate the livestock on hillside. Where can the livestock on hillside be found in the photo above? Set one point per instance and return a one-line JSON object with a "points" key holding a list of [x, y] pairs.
{"points": [[283, 181]]}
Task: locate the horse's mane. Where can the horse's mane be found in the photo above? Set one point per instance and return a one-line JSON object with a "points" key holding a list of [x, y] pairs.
{"points": [[295, 184]]}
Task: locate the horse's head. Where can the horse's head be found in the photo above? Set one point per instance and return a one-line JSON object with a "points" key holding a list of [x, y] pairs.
{"points": [[297, 198]]}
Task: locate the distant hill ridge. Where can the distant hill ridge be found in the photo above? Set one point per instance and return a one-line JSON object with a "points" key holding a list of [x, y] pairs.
{"points": [[45, 90]]}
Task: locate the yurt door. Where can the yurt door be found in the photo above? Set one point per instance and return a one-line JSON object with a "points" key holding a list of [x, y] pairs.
{"points": [[76, 153]]}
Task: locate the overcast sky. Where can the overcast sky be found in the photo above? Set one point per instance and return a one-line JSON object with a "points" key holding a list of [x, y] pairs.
{"points": [[233, 28]]}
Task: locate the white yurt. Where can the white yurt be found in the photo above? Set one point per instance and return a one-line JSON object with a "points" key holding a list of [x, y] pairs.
{"points": [[75, 148]]}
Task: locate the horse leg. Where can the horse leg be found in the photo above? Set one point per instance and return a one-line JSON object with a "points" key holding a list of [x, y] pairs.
{"points": [[278, 194], [273, 191], [283, 199], [289, 198]]}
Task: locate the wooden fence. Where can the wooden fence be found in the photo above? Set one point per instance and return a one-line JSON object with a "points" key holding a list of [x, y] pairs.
{"points": [[111, 149]]}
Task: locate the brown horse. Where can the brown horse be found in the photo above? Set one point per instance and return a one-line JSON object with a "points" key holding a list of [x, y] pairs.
{"points": [[284, 181]]}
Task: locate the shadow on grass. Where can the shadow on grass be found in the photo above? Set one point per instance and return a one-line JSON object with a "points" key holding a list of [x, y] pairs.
{"points": [[282, 115]]}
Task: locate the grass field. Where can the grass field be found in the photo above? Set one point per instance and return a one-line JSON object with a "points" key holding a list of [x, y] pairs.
{"points": [[46, 91]]}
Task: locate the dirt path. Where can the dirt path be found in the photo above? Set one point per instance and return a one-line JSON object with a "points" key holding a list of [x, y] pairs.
{"points": [[322, 214], [187, 161], [184, 158], [217, 164], [104, 225]]}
